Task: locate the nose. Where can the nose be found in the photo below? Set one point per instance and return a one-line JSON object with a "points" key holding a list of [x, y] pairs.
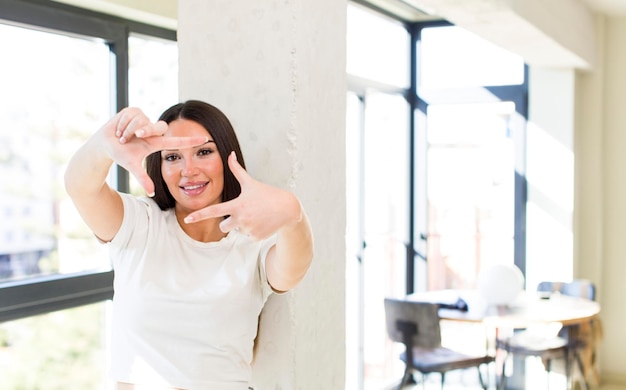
{"points": [[189, 169]]}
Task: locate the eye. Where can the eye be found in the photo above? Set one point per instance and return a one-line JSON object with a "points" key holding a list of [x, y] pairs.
{"points": [[171, 157], [205, 151]]}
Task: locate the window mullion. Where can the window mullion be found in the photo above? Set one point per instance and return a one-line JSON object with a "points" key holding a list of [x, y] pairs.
{"points": [[41, 295]]}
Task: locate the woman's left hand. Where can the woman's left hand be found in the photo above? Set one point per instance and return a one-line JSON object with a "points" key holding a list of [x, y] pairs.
{"points": [[259, 211]]}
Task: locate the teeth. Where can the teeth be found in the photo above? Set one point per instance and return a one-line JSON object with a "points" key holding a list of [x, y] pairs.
{"points": [[194, 187]]}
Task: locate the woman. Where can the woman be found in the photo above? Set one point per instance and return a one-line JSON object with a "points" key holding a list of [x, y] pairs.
{"points": [[194, 262]]}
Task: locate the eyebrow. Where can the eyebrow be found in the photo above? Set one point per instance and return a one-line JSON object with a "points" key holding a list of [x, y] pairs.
{"points": [[173, 150]]}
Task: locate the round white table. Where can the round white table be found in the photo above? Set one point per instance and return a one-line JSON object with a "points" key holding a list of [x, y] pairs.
{"points": [[529, 308]]}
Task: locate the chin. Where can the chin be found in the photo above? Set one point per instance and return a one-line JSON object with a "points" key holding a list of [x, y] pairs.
{"points": [[196, 204]]}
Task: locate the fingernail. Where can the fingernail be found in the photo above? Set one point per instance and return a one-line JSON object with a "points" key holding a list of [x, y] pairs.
{"points": [[140, 133], [188, 219], [234, 155], [151, 194], [123, 140]]}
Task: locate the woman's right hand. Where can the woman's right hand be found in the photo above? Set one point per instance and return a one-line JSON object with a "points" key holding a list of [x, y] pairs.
{"points": [[129, 137]]}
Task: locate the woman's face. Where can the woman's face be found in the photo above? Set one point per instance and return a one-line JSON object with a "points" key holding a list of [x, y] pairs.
{"points": [[194, 176]]}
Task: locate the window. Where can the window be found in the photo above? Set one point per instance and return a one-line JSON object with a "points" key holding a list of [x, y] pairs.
{"points": [[377, 141], [69, 71], [451, 57], [55, 93], [64, 349], [377, 48], [473, 98], [152, 73], [470, 178], [152, 79]]}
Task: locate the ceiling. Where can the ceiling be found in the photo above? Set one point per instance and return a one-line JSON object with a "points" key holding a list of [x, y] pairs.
{"points": [[404, 10]]}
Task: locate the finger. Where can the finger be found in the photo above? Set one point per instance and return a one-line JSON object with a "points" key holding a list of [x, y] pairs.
{"points": [[168, 143], [153, 129], [214, 211], [138, 121], [123, 118], [228, 224], [238, 171], [143, 178]]}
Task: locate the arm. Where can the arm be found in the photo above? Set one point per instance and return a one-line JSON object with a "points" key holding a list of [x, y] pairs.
{"points": [[261, 211], [85, 182], [127, 138], [288, 261]]}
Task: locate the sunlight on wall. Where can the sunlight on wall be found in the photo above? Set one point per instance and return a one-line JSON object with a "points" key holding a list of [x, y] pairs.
{"points": [[550, 175]]}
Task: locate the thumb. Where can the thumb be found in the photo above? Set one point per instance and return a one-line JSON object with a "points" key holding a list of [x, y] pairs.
{"points": [[238, 171], [143, 178]]}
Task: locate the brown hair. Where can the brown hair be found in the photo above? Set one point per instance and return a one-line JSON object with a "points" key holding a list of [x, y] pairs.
{"points": [[220, 128]]}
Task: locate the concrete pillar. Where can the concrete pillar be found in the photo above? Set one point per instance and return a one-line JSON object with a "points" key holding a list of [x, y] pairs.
{"points": [[277, 69], [550, 175]]}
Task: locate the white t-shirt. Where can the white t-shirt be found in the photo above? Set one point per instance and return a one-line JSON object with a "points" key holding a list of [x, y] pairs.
{"points": [[185, 313]]}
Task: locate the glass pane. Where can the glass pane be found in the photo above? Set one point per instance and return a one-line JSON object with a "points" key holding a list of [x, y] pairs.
{"points": [[470, 191], [386, 215], [377, 213], [152, 74], [152, 79], [451, 57], [377, 48], [354, 241], [55, 93], [56, 351]]}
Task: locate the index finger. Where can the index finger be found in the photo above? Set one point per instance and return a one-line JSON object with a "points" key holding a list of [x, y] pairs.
{"points": [[152, 129], [166, 142], [238, 171], [213, 211]]}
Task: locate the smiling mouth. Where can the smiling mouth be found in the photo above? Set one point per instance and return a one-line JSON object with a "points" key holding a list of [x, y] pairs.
{"points": [[193, 187]]}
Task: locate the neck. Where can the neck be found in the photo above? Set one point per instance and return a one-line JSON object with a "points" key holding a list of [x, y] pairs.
{"points": [[203, 231]]}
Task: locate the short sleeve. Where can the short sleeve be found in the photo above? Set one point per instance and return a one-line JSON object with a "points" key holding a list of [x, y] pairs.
{"points": [[264, 250], [134, 231]]}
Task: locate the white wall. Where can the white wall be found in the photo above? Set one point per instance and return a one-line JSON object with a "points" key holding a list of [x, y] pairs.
{"points": [[277, 69], [607, 115], [589, 207], [550, 175]]}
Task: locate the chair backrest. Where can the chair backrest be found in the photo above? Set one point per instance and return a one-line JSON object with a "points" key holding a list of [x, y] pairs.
{"points": [[576, 288], [424, 315]]}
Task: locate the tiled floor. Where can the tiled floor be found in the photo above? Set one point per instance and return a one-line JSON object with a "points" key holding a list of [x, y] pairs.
{"points": [[469, 381], [466, 386], [536, 379], [435, 386]]}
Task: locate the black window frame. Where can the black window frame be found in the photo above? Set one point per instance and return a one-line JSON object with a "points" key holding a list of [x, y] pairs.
{"points": [[44, 294], [516, 93]]}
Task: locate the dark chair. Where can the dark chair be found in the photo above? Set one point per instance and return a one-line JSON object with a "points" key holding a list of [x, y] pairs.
{"points": [[524, 343], [577, 288], [416, 325]]}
